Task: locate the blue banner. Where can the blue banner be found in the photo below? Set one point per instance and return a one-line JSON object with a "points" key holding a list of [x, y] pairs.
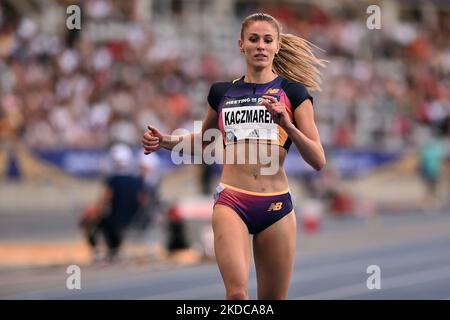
{"points": [[77, 162], [349, 163], [92, 162]]}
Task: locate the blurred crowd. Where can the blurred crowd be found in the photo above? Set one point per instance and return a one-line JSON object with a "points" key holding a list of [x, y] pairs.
{"points": [[381, 87], [62, 89]]}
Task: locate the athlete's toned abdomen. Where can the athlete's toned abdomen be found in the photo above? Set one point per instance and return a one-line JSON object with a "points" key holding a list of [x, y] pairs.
{"points": [[266, 174]]}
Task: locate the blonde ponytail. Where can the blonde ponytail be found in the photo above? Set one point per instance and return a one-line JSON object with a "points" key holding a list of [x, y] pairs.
{"points": [[296, 61]]}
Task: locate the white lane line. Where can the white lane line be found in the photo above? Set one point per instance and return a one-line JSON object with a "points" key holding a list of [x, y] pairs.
{"points": [[406, 280], [301, 276], [410, 259], [155, 275]]}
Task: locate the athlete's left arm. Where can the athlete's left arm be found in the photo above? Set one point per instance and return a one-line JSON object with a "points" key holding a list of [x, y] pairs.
{"points": [[305, 136]]}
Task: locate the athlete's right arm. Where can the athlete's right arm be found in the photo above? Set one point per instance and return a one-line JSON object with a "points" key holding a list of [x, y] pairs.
{"points": [[154, 140]]}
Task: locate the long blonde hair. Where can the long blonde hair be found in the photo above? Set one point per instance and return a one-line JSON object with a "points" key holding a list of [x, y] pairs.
{"points": [[295, 60]]}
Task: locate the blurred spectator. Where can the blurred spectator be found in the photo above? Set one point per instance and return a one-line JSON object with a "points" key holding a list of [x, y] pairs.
{"points": [[326, 188], [150, 172], [432, 156], [122, 197]]}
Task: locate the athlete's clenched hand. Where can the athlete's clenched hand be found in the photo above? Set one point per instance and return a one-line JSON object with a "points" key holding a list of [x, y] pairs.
{"points": [[152, 140], [277, 110]]}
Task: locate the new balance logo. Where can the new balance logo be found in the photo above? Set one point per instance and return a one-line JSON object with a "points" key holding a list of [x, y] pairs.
{"points": [[275, 206], [272, 91], [254, 134]]}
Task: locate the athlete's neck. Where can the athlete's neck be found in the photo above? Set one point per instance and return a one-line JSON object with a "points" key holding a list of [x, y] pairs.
{"points": [[263, 76]]}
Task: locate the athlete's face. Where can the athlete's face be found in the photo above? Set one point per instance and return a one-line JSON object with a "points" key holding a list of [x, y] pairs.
{"points": [[259, 44]]}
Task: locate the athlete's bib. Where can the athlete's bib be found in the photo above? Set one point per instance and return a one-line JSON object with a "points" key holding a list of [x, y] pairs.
{"points": [[248, 122]]}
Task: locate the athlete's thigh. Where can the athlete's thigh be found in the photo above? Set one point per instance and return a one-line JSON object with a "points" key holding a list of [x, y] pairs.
{"points": [[274, 253], [231, 246]]}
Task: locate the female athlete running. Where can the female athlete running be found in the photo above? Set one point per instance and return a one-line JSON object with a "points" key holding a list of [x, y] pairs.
{"points": [[270, 106]]}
